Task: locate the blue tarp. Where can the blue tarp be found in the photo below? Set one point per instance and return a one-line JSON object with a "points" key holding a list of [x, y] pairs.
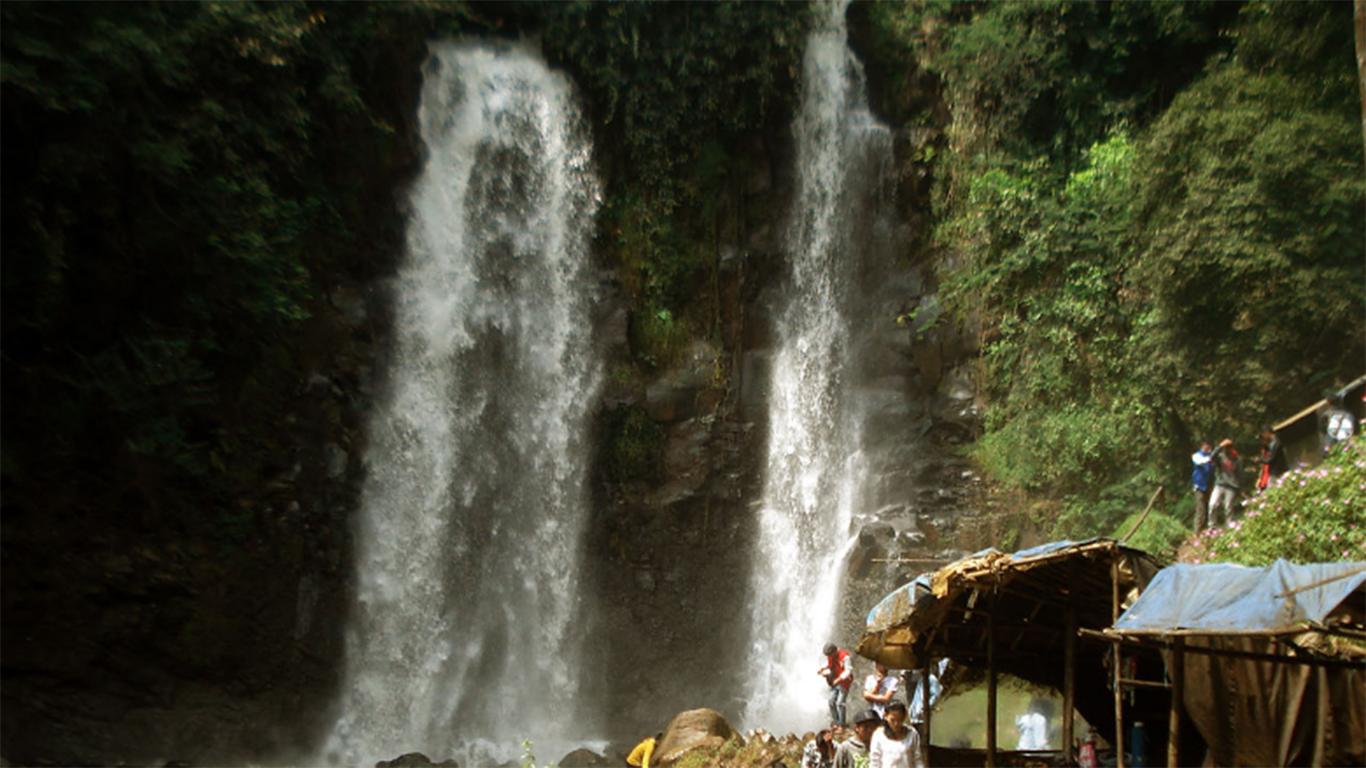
{"points": [[1237, 598]]}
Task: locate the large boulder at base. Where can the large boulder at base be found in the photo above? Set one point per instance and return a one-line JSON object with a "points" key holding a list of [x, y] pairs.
{"points": [[585, 758], [695, 729], [415, 760]]}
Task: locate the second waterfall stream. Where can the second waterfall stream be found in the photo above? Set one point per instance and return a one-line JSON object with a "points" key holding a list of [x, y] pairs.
{"points": [[817, 470], [462, 639]]}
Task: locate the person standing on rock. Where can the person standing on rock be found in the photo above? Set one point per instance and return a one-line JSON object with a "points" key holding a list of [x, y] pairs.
{"points": [[1202, 481], [838, 673], [853, 753], [895, 744], [879, 689]]}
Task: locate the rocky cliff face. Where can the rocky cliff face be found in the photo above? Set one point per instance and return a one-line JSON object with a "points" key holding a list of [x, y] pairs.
{"points": [[129, 640], [672, 551], [134, 634]]}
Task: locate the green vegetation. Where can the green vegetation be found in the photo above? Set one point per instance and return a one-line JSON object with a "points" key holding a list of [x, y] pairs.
{"points": [[632, 445], [185, 182], [180, 179], [1153, 211], [1160, 534], [676, 90], [1308, 515]]}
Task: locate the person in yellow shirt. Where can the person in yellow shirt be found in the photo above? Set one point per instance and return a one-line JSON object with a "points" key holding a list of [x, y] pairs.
{"points": [[640, 756]]}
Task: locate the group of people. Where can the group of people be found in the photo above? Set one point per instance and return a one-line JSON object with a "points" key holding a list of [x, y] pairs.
{"points": [[1216, 477], [1216, 471], [881, 736]]}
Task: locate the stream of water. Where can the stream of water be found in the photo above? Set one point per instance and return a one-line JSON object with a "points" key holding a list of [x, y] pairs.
{"points": [[817, 469], [464, 634]]}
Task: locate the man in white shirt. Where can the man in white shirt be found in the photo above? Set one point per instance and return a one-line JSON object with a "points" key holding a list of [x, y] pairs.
{"points": [[879, 689]]}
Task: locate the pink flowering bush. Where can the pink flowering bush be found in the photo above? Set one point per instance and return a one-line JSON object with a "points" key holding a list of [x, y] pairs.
{"points": [[1313, 514]]}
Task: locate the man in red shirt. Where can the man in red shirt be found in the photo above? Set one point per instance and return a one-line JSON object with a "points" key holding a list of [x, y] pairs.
{"points": [[838, 673]]}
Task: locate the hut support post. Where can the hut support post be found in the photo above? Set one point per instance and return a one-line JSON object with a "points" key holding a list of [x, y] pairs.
{"points": [[925, 708], [1069, 681], [991, 684], [1118, 663], [1177, 673]]}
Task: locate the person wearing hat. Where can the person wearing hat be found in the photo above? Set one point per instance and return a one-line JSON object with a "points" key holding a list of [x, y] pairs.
{"points": [[1228, 465], [853, 753], [895, 744]]}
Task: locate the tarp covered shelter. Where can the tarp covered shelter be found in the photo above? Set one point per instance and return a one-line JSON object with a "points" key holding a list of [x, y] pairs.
{"points": [[1273, 660], [1017, 614]]}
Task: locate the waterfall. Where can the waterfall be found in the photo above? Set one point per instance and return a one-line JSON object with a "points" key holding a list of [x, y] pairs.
{"points": [[817, 469], [473, 509]]}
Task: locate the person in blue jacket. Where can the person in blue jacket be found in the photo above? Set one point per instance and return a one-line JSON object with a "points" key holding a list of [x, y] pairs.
{"points": [[1202, 480]]}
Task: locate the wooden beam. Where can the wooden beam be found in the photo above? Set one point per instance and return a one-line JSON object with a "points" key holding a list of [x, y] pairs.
{"points": [[1273, 658], [1176, 670], [1130, 683]]}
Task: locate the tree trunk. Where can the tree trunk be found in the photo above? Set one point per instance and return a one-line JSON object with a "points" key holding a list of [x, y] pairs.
{"points": [[1359, 25]]}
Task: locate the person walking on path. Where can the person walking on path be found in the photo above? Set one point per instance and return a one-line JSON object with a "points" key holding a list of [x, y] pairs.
{"points": [[1271, 457], [1202, 481], [879, 689], [895, 744], [853, 753], [1228, 465], [838, 673]]}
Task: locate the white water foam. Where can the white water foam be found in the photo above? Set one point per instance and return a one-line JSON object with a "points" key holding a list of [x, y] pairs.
{"points": [[817, 470], [462, 637]]}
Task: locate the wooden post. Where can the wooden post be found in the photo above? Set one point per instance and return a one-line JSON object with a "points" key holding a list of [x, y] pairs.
{"points": [[1069, 682], [991, 683], [1177, 673], [1118, 662], [925, 707]]}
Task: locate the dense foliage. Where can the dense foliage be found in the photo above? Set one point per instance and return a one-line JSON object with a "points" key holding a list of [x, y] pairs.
{"points": [[1154, 212], [174, 196], [183, 182], [1309, 515], [679, 91]]}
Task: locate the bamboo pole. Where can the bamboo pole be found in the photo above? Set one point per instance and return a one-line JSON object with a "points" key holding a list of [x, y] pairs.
{"points": [[1118, 663], [925, 707], [991, 684], [1159, 493], [1178, 676], [1069, 680]]}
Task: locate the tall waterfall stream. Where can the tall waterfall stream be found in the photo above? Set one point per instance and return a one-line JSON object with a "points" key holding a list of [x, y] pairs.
{"points": [[463, 633], [817, 468]]}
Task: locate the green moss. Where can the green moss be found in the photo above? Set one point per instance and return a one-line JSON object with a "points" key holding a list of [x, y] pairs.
{"points": [[632, 444]]}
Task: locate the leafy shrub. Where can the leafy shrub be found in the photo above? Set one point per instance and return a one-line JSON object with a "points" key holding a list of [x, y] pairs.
{"points": [[1308, 515]]}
